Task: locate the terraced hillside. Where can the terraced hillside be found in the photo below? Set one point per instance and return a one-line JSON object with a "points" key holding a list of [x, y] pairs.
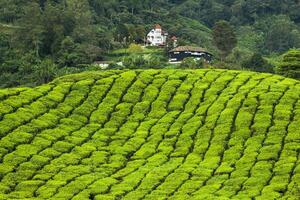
{"points": [[204, 134]]}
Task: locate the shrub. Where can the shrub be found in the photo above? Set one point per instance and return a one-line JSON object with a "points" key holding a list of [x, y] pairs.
{"points": [[62, 146], [290, 65], [257, 63], [192, 63]]}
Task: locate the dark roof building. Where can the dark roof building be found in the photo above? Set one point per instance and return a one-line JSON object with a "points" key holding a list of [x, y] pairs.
{"points": [[179, 53], [188, 48]]}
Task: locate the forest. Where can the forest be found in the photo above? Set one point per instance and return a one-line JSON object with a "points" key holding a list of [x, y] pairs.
{"points": [[43, 39]]}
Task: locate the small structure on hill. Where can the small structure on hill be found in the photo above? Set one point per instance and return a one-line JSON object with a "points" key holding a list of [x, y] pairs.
{"points": [[179, 53], [157, 36], [102, 64]]}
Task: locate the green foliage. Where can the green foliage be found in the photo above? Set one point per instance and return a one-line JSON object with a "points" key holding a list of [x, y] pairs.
{"points": [[152, 134], [45, 71], [257, 63], [75, 34], [290, 65], [140, 61], [134, 61], [280, 34], [224, 38], [191, 63], [135, 48]]}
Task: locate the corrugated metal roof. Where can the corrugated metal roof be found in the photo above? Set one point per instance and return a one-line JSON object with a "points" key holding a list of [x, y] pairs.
{"points": [[189, 48]]}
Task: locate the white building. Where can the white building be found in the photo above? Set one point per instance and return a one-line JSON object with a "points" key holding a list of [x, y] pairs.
{"points": [[157, 37]]}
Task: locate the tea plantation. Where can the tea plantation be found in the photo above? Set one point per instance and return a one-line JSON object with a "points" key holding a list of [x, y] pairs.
{"points": [[153, 134]]}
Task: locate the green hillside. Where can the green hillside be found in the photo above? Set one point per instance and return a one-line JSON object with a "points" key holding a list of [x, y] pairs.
{"points": [[153, 134]]}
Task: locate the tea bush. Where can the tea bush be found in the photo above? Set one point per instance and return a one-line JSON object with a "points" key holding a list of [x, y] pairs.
{"points": [[152, 134]]}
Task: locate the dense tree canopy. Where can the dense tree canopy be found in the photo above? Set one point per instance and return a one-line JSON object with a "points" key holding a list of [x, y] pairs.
{"points": [[76, 32]]}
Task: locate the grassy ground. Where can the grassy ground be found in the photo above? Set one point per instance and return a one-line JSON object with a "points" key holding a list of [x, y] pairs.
{"points": [[117, 55]]}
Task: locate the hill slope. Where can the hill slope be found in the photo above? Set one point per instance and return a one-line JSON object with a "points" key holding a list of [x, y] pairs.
{"points": [[204, 134]]}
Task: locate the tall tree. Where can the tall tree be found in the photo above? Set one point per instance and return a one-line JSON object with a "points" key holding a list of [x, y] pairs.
{"points": [[4, 47], [81, 11], [31, 32], [54, 18], [224, 38]]}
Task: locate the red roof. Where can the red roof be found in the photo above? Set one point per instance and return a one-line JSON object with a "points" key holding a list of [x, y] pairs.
{"points": [[174, 38], [157, 26]]}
